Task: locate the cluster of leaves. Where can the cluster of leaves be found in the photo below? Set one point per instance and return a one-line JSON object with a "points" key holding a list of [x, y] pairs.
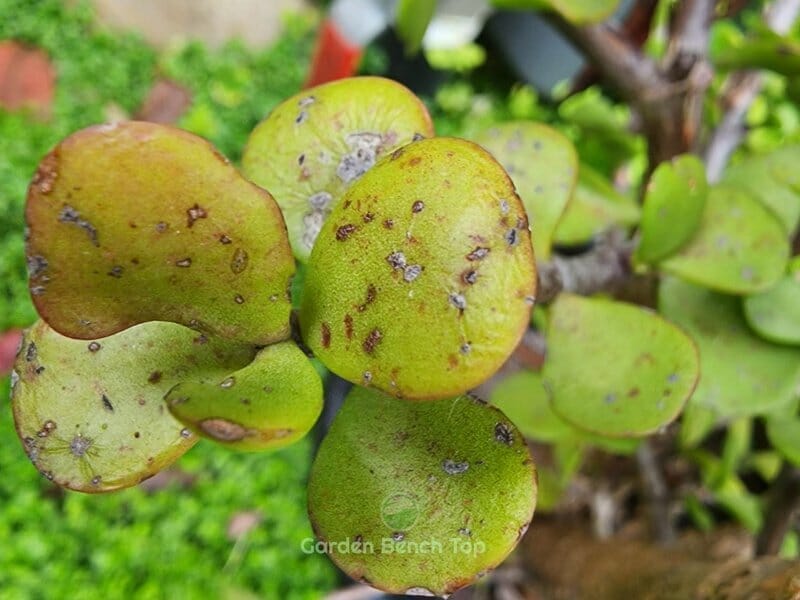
{"points": [[94, 545]]}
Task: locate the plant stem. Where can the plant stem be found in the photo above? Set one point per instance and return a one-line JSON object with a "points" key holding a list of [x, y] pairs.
{"points": [[783, 506]]}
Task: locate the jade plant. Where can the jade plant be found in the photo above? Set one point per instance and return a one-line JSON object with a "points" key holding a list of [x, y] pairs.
{"points": [[163, 278]]}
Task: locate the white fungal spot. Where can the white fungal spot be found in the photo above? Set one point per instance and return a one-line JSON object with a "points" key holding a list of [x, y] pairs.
{"points": [[452, 467], [458, 300], [411, 272], [364, 148]]}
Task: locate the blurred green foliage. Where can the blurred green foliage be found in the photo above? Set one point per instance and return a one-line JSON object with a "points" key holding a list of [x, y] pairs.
{"points": [[173, 542]]}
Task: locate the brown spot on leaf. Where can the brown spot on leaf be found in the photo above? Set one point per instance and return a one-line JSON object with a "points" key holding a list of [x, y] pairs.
{"points": [[116, 271], [372, 340], [388, 224], [417, 207], [370, 298], [469, 276], [239, 261], [344, 232], [503, 434], [348, 327], [107, 403], [223, 430], [154, 377], [94, 346], [194, 213], [326, 335], [478, 253]]}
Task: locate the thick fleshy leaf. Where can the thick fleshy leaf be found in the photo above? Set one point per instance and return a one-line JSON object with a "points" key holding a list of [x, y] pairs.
{"points": [[595, 207], [577, 11], [775, 313], [543, 165], [740, 247], [312, 146], [616, 369], [420, 497], [764, 178], [673, 207], [91, 415], [741, 373], [271, 403], [422, 280], [137, 222], [523, 397]]}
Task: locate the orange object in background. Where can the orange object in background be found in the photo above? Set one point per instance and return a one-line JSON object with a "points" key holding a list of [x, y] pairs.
{"points": [[27, 78], [334, 57]]}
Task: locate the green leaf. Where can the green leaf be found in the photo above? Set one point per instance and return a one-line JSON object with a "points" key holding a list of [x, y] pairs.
{"points": [[595, 207], [314, 145], [526, 402], [740, 247], [741, 373], [422, 279], [577, 11], [461, 59], [411, 22], [673, 207], [543, 165], [271, 403], [737, 444], [775, 313], [137, 222], [761, 50], [90, 414], [697, 421], [761, 177], [434, 494], [616, 369]]}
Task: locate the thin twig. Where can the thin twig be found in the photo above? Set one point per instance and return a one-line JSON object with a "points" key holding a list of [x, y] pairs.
{"points": [[656, 493]]}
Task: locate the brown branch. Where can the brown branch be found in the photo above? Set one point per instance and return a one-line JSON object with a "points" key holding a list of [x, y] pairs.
{"points": [[783, 507], [619, 62], [603, 269], [656, 493]]}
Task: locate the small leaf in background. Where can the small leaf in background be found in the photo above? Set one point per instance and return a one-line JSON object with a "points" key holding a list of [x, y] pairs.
{"points": [[271, 403], [741, 373], [543, 165], [523, 397], [411, 22], [135, 222], [740, 247], [314, 145], [422, 279], [673, 207], [775, 313], [763, 49], [91, 415], [577, 11], [760, 175], [595, 207], [616, 369], [697, 421], [738, 437], [460, 59], [393, 474]]}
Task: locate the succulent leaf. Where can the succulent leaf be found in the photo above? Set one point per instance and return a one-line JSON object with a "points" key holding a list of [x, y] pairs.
{"points": [[314, 145], [136, 222], [739, 248], [543, 165], [524, 398], [271, 403], [742, 374], [434, 494], [616, 369], [673, 207], [577, 11], [422, 280], [595, 207], [91, 415], [775, 313]]}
